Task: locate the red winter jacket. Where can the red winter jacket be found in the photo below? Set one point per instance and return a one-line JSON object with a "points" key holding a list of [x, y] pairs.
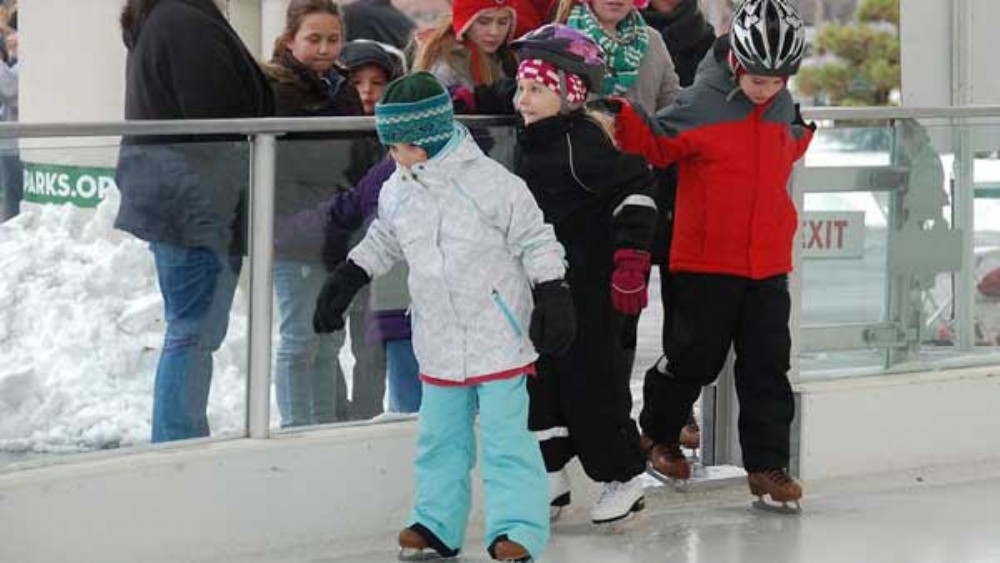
{"points": [[733, 213]]}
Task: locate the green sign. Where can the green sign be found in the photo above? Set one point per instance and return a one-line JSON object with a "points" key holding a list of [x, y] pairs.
{"points": [[56, 184]]}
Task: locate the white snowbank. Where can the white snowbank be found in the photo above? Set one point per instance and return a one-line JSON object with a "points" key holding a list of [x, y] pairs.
{"points": [[81, 326]]}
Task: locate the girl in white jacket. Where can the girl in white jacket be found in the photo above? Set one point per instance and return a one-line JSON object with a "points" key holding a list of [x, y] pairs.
{"points": [[487, 290]]}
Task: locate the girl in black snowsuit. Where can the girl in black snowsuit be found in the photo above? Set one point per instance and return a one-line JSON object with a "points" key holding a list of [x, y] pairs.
{"points": [[598, 200]]}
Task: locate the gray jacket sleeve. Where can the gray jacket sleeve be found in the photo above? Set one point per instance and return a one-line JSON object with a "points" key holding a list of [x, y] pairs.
{"points": [[670, 84]]}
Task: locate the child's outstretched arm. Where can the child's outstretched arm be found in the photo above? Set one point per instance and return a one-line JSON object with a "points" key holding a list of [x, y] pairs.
{"points": [[372, 257], [379, 251], [661, 141]]}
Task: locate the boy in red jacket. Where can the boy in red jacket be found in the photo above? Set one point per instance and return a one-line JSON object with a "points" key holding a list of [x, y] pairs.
{"points": [[735, 135]]}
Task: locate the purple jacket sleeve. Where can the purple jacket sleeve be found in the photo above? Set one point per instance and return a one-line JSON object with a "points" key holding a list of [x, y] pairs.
{"points": [[349, 211]]}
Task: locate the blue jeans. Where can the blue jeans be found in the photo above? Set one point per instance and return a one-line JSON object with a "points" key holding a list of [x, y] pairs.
{"points": [[404, 376], [198, 285], [308, 379], [515, 485]]}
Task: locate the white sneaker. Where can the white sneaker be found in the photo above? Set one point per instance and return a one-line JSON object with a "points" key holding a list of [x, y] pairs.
{"points": [[559, 492], [618, 500]]}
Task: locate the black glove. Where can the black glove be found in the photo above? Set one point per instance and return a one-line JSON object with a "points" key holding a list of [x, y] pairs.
{"points": [[336, 296], [799, 121], [553, 322]]}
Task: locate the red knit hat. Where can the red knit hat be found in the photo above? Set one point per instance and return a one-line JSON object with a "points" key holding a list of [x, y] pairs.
{"points": [[464, 12]]}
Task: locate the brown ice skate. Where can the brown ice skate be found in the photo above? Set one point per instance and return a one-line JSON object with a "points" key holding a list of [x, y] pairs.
{"points": [[777, 484], [509, 551], [691, 436], [413, 546], [666, 459]]}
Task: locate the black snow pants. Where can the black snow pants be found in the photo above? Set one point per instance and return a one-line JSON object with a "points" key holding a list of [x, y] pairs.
{"points": [[581, 403], [711, 312]]}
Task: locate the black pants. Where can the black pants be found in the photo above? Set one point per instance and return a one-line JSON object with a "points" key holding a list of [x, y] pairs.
{"points": [[581, 404], [709, 313]]}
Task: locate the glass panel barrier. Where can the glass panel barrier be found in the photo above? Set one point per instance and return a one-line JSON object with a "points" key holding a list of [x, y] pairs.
{"points": [[328, 184], [890, 227], [83, 320]]}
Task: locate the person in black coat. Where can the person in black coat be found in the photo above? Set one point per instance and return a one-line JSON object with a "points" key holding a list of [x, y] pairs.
{"points": [[378, 20], [598, 200], [184, 194], [686, 32]]}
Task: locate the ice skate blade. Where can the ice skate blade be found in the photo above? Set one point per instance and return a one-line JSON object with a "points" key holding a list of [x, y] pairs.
{"points": [[637, 507], [678, 484], [427, 554], [792, 509]]}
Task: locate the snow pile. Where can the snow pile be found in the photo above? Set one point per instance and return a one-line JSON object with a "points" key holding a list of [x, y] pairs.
{"points": [[81, 326]]}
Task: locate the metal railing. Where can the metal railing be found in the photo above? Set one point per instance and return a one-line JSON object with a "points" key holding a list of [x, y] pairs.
{"points": [[262, 136]]}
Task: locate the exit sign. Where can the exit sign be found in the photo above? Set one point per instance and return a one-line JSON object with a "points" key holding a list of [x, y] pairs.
{"points": [[832, 234]]}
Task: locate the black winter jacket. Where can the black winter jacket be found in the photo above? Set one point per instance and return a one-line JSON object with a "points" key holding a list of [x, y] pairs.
{"points": [[687, 34], [598, 200], [186, 62]]}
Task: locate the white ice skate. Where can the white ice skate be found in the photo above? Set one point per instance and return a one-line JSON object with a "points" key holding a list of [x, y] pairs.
{"points": [[618, 501], [559, 492]]}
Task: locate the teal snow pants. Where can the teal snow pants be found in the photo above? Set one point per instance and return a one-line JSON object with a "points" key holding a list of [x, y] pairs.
{"points": [[515, 485]]}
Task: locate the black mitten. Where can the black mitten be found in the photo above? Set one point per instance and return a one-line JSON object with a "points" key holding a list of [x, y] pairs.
{"points": [[336, 296], [799, 121], [553, 322]]}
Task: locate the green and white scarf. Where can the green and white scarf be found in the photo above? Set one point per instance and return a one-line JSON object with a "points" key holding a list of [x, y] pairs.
{"points": [[623, 52]]}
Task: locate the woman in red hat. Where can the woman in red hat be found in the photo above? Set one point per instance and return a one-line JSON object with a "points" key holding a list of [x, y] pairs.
{"points": [[471, 47]]}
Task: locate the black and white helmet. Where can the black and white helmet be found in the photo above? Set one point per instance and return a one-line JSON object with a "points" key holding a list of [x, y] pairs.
{"points": [[768, 37]]}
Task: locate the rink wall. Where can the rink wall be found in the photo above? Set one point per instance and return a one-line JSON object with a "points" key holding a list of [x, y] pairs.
{"points": [[350, 488], [241, 500], [898, 422]]}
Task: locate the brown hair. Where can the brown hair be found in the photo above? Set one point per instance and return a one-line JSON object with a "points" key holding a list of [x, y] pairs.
{"points": [[563, 9], [440, 45], [297, 11], [134, 12]]}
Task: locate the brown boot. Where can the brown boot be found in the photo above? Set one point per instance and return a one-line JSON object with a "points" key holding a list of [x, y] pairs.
{"points": [[775, 483], [691, 436], [413, 546], [666, 459], [506, 550]]}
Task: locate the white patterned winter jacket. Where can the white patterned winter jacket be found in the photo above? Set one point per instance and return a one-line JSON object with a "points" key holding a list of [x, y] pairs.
{"points": [[475, 242]]}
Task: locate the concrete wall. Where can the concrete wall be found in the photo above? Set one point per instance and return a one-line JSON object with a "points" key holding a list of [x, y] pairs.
{"points": [[351, 488], [225, 501], [877, 424]]}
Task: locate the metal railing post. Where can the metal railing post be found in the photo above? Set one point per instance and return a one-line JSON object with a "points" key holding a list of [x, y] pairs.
{"points": [[261, 258]]}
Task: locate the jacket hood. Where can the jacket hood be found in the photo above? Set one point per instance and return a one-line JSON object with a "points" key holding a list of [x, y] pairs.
{"points": [[714, 71]]}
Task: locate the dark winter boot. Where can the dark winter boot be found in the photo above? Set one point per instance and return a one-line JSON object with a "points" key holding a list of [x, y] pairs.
{"points": [[417, 543], [502, 549]]}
